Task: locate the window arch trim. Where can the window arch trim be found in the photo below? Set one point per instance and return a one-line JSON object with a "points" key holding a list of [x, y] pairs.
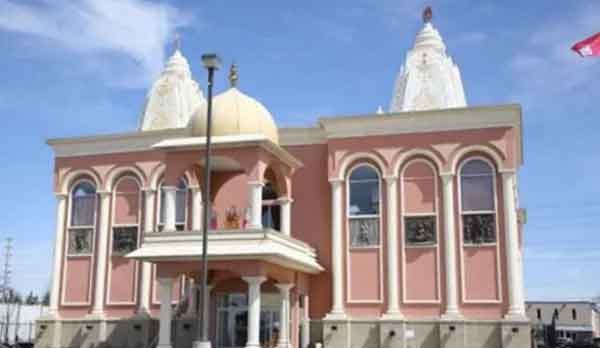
{"points": [[138, 225], [351, 166], [497, 241], [436, 202]]}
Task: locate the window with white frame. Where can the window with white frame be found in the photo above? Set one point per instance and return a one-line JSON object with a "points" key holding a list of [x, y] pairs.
{"points": [[82, 219], [125, 216], [364, 206], [181, 194], [478, 202], [419, 204]]}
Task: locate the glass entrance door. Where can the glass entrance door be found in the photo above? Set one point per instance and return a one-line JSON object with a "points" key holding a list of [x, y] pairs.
{"points": [[232, 320]]}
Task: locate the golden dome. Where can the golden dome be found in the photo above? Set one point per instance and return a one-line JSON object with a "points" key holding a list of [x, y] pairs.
{"points": [[235, 113]]}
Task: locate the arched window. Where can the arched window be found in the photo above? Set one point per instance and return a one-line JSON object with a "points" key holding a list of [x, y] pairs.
{"points": [[478, 202], [83, 218], [363, 207], [419, 204], [126, 216], [180, 206], [271, 210]]}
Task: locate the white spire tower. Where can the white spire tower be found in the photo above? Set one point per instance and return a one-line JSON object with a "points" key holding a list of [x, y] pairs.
{"points": [[174, 96], [429, 78]]}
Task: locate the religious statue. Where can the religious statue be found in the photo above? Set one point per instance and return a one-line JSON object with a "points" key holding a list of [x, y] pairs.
{"points": [[80, 242], [232, 218]]}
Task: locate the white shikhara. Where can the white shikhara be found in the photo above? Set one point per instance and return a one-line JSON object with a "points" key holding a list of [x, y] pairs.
{"points": [[429, 79]]}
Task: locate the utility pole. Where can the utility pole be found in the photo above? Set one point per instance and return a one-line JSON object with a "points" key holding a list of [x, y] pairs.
{"points": [[6, 277]]}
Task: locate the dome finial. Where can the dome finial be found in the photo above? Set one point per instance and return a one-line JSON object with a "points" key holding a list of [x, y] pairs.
{"points": [[427, 14], [177, 42], [233, 75]]}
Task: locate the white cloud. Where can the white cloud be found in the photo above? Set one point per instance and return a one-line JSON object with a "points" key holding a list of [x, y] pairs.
{"points": [[545, 65], [136, 29]]}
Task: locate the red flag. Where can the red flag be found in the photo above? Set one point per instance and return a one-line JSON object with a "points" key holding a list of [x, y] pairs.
{"points": [[588, 47]]}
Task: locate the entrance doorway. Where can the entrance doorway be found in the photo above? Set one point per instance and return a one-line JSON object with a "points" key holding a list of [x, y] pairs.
{"points": [[232, 320]]}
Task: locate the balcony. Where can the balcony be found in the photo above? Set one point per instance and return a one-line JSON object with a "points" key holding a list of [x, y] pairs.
{"points": [[223, 245]]}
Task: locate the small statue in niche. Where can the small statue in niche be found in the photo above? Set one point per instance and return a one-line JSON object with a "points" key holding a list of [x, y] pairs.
{"points": [[363, 233], [420, 230], [125, 240], [80, 243]]}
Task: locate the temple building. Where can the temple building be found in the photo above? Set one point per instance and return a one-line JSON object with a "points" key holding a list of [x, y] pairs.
{"points": [[398, 228]]}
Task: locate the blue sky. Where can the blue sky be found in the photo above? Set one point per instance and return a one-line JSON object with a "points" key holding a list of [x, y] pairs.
{"points": [[74, 68]]}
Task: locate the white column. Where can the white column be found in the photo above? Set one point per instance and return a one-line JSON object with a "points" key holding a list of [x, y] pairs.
{"points": [[101, 252], [164, 331], [393, 310], [452, 311], [196, 209], [284, 315], [170, 207], [254, 310], [255, 204], [190, 294], [209, 288], [305, 322], [149, 214], [514, 268], [61, 205], [286, 215], [337, 310]]}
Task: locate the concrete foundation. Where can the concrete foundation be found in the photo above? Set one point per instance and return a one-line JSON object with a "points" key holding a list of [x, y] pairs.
{"points": [[142, 332]]}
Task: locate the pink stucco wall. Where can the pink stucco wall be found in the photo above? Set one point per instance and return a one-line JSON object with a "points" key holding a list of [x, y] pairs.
{"points": [[77, 280], [423, 268], [365, 281], [422, 273]]}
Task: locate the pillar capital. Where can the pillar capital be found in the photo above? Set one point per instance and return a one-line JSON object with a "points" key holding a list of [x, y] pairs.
{"points": [[169, 188], [284, 287], [61, 195], [254, 280], [336, 182], [447, 176], [104, 193], [256, 183], [390, 179], [285, 200]]}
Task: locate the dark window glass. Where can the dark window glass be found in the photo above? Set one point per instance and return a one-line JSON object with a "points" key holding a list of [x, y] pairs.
{"points": [[83, 204], [364, 192], [477, 185]]}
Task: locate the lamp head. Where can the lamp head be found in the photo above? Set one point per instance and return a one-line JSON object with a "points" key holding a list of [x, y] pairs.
{"points": [[211, 61]]}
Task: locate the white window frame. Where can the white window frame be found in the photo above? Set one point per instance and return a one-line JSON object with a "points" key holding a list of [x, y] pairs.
{"points": [[66, 241], [464, 246], [377, 247], [435, 214], [114, 225]]}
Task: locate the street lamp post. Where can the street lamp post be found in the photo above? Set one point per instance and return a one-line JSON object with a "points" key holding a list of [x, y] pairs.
{"points": [[211, 62]]}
